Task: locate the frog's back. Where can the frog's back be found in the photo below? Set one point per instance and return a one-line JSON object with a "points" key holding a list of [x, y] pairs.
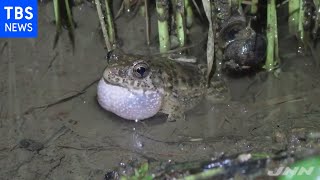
{"points": [[184, 84]]}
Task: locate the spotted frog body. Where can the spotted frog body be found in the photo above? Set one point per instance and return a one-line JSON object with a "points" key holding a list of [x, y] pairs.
{"points": [[138, 87]]}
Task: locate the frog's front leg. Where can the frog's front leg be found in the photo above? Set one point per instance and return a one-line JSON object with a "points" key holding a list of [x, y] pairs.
{"points": [[176, 114], [174, 109]]}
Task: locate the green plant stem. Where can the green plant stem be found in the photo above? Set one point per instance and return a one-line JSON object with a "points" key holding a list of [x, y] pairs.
{"points": [[254, 7], [294, 6], [189, 13], [146, 7], [271, 29], [110, 24], [56, 12], [70, 23], [69, 14], [58, 21], [180, 22], [276, 41], [142, 10], [204, 175], [163, 29], [301, 33], [103, 25]]}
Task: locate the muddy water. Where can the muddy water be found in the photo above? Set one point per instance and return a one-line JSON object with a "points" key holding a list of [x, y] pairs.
{"points": [[81, 141]]}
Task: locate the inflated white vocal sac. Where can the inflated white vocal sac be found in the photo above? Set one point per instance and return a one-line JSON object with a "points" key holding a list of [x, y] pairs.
{"points": [[128, 104]]}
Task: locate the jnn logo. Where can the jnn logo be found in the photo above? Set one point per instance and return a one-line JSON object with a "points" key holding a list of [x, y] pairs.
{"points": [[287, 171], [18, 18]]}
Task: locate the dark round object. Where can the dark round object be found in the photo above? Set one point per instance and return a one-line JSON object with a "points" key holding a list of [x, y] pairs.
{"points": [[230, 28], [245, 54]]}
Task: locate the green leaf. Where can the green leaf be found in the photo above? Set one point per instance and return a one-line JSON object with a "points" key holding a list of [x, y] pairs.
{"points": [[144, 169], [123, 178], [136, 172], [148, 178]]}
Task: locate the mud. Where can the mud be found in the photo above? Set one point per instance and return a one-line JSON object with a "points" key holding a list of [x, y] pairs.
{"points": [[81, 141]]}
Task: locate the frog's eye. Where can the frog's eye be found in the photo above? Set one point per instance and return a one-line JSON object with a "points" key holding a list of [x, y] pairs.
{"points": [[140, 70]]}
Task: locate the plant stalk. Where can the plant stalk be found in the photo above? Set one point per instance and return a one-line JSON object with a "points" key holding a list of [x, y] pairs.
{"points": [[180, 22], [163, 28], [110, 25], [103, 26], [294, 6], [146, 6], [254, 6], [271, 29], [189, 13]]}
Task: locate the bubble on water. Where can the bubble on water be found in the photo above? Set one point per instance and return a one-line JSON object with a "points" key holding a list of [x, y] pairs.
{"points": [[139, 144], [244, 110], [181, 147], [122, 164]]}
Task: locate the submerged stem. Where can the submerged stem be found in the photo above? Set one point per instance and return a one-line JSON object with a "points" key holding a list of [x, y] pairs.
{"points": [[271, 29], [163, 28]]}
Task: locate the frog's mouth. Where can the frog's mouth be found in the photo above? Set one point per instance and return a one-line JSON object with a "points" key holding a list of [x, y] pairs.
{"points": [[109, 82]]}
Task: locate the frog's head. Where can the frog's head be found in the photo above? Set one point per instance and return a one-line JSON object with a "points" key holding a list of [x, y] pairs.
{"points": [[132, 72]]}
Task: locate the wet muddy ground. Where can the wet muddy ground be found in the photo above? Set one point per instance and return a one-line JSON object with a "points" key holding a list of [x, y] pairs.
{"points": [[81, 141]]}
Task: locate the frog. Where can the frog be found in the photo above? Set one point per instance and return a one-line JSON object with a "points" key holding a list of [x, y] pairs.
{"points": [[138, 87]]}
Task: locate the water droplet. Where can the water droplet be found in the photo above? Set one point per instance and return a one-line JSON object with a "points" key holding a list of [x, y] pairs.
{"points": [[181, 147], [140, 144], [122, 164]]}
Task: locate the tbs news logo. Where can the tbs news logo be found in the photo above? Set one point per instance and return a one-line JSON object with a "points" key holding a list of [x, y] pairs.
{"points": [[18, 18]]}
